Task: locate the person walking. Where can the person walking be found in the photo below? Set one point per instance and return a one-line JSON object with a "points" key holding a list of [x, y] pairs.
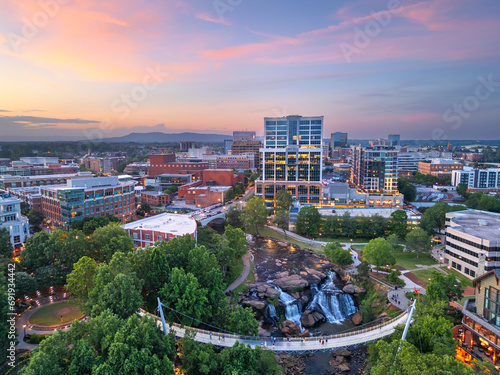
{"points": [[210, 336]]}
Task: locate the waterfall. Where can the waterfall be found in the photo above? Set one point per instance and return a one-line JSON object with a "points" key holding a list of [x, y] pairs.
{"points": [[293, 308], [271, 312], [331, 301]]}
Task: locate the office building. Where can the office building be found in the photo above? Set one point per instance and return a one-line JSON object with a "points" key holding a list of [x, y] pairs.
{"points": [[166, 164], [243, 136], [186, 145], [439, 167], [89, 197], [7, 182], [205, 196], [472, 242], [291, 158], [107, 164], [477, 178], [138, 168], [228, 143], [395, 139], [12, 220], [375, 168], [408, 161], [162, 227], [247, 147], [155, 198], [338, 140]]}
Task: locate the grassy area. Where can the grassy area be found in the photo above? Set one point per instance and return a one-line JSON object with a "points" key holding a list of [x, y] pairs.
{"points": [[464, 280], [358, 247], [250, 278], [424, 275], [50, 315], [462, 301], [409, 260], [281, 237]]}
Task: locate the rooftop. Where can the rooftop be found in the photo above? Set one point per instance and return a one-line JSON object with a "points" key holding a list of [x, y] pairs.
{"points": [[153, 193], [481, 224], [166, 223], [68, 175]]}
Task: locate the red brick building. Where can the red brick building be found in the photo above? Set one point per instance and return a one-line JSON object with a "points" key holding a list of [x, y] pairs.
{"points": [[155, 198], [183, 190], [222, 177], [204, 196], [166, 164], [439, 167], [162, 227]]}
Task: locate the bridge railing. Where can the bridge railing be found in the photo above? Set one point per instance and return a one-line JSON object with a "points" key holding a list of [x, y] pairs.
{"points": [[292, 339]]}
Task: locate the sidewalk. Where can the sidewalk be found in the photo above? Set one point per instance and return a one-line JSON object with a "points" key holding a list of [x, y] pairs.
{"points": [[244, 274]]}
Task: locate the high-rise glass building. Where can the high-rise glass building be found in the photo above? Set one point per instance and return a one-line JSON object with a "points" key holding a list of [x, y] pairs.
{"points": [[338, 139], [291, 158]]}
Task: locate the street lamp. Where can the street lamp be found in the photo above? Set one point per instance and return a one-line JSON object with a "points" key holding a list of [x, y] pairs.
{"points": [[24, 328]]}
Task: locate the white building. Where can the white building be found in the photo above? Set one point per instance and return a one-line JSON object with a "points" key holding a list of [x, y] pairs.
{"points": [[162, 227], [477, 178], [11, 219], [408, 161], [472, 241]]}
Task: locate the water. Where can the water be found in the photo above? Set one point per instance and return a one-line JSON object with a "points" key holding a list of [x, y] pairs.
{"points": [[271, 313], [293, 308], [332, 302]]}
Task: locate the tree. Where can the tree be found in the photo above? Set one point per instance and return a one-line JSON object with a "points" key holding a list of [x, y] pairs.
{"points": [[393, 277], [434, 217], [399, 223], [25, 284], [308, 221], [172, 189], [255, 213], [462, 190], [47, 276], [230, 195], [253, 177], [394, 240], [143, 209], [184, 294], [121, 167], [378, 252], [444, 287], [418, 241], [234, 216], [337, 254], [80, 281], [6, 248], [243, 321], [283, 200], [108, 240], [282, 220], [239, 189], [35, 218]]}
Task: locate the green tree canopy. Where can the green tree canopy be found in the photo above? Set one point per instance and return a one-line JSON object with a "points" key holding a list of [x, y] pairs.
{"points": [[378, 252], [282, 220], [399, 223], [308, 221], [283, 200], [6, 247], [234, 216], [417, 240], [337, 254], [255, 214]]}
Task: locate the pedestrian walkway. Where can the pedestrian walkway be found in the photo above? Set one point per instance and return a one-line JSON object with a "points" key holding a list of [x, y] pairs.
{"points": [[296, 344], [244, 274], [398, 297]]}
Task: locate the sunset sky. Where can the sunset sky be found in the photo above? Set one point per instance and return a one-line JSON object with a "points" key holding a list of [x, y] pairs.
{"points": [[102, 68]]}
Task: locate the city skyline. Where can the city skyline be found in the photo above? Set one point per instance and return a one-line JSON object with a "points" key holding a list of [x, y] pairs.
{"points": [[422, 69]]}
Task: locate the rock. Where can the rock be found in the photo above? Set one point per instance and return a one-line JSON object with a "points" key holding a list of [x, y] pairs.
{"points": [[357, 318], [290, 328], [339, 359], [261, 295], [258, 305], [281, 275], [315, 275], [351, 289], [311, 317], [292, 365], [292, 282], [281, 243], [344, 367], [272, 292], [345, 353], [305, 333]]}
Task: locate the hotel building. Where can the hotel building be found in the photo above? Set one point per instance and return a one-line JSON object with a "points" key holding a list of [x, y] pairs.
{"points": [[12, 220], [291, 158]]}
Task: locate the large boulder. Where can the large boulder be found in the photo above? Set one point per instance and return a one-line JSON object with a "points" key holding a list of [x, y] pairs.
{"points": [[352, 289], [311, 317], [291, 282], [258, 305], [272, 292], [264, 290], [290, 328], [314, 276], [357, 318]]}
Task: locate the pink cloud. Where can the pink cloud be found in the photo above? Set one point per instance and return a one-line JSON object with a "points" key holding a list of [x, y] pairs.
{"points": [[209, 18]]}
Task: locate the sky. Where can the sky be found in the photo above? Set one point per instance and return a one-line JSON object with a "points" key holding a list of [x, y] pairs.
{"points": [[425, 69]]}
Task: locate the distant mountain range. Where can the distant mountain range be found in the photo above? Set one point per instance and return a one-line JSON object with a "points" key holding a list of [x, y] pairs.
{"points": [[164, 138]]}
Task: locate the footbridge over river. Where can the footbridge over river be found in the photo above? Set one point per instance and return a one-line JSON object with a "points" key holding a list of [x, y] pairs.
{"points": [[283, 345]]}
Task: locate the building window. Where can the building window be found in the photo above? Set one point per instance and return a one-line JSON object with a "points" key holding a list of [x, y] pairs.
{"points": [[134, 235], [146, 237]]}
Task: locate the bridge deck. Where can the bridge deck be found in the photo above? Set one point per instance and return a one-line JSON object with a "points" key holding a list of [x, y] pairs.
{"points": [[297, 345]]}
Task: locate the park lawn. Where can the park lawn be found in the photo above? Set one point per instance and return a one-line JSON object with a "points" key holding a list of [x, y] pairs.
{"points": [[50, 315], [267, 232], [242, 288], [464, 280], [409, 260], [424, 275]]}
